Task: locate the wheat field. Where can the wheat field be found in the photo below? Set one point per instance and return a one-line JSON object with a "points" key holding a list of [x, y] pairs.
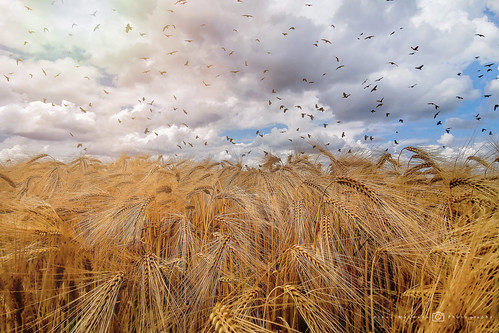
{"points": [[381, 244]]}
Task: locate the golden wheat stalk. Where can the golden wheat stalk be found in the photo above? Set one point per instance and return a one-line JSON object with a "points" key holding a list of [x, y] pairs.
{"points": [[8, 180], [97, 308], [359, 187]]}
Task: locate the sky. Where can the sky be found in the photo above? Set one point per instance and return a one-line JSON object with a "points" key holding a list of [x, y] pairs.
{"points": [[232, 79]]}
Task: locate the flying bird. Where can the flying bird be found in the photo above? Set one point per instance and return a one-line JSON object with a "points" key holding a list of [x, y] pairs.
{"points": [[345, 95], [419, 67], [435, 105], [392, 63], [480, 35], [128, 28], [97, 27]]}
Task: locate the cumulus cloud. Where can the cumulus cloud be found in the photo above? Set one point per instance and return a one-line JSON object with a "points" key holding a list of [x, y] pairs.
{"points": [[189, 73], [446, 139]]}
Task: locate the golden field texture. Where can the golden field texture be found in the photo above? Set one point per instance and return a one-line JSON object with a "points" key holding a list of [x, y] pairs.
{"points": [[145, 245]]}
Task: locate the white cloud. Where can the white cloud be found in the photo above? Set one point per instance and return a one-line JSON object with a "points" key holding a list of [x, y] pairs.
{"points": [[446, 139], [73, 66]]}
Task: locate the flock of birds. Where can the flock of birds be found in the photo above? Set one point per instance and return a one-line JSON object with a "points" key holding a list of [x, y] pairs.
{"points": [[168, 30]]}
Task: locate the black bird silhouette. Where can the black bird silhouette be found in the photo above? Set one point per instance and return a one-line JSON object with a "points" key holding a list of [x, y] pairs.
{"points": [[395, 141], [459, 97], [496, 106], [415, 48], [435, 105], [479, 35], [373, 89], [448, 130], [401, 120], [419, 67], [436, 114], [345, 95], [489, 65], [487, 96], [439, 122]]}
